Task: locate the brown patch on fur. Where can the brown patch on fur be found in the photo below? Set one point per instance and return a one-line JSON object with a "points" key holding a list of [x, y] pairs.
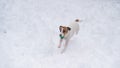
{"points": [[65, 30]]}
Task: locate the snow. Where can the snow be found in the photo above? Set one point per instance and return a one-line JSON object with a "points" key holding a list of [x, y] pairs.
{"points": [[29, 34]]}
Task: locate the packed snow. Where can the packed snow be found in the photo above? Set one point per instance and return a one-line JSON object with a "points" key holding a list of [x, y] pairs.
{"points": [[29, 34]]}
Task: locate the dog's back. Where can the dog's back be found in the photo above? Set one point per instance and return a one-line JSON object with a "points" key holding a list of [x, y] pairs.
{"points": [[74, 27]]}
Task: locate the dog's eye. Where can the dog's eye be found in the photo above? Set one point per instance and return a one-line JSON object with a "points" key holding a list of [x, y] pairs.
{"points": [[63, 31]]}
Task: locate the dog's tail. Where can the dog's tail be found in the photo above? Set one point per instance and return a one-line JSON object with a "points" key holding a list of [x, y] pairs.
{"points": [[78, 20]]}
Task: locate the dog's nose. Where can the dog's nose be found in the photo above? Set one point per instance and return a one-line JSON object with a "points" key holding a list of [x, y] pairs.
{"points": [[60, 34]]}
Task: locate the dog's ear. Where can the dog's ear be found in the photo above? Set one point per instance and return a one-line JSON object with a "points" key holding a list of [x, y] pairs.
{"points": [[68, 28], [60, 28]]}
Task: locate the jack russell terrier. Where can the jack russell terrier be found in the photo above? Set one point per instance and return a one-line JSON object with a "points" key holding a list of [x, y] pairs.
{"points": [[66, 32]]}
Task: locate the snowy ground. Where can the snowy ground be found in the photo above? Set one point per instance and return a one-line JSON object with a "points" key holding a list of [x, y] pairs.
{"points": [[29, 34]]}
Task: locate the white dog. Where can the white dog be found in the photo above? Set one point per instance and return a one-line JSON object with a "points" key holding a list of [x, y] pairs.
{"points": [[66, 32]]}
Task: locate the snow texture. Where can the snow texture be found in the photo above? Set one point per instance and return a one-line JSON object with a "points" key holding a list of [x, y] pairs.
{"points": [[29, 34]]}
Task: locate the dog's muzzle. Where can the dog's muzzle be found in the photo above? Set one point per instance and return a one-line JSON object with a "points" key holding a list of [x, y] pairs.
{"points": [[61, 36]]}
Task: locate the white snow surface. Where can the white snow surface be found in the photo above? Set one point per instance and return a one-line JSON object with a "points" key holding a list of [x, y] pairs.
{"points": [[29, 34]]}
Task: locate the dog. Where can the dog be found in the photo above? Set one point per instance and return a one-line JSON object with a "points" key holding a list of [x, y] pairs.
{"points": [[66, 32]]}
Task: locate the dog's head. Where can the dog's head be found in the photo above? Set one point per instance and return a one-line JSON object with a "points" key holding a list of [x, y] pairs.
{"points": [[64, 30]]}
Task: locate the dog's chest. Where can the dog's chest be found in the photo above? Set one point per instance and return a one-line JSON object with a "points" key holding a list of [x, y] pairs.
{"points": [[69, 34]]}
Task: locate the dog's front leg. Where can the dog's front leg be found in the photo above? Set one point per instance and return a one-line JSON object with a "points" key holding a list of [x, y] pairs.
{"points": [[60, 43], [65, 46]]}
